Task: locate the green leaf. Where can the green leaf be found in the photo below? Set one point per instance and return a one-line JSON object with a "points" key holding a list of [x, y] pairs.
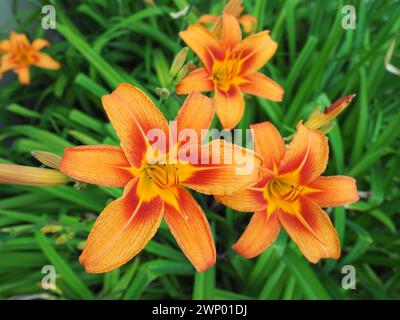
{"points": [[305, 276], [204, 285], [62, 268]]}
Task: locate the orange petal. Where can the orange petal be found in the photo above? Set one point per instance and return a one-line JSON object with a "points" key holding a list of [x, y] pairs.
{"points": [[102, 165], [256, 50], [231, 33], [248, 22], [230, 106], [260, 85], [31, 176], [133, 115], [307, 155], [197, 113], [221, 168], [312, 231], [6, 63], [196, 81], [268, 143], [23, 75], [207, 19], [43, 60], [121, 231], [333, 191], [259, 234], [203, 43], [249, 200], [39, 44], [18, 40], [192, 232], [5, 45]]}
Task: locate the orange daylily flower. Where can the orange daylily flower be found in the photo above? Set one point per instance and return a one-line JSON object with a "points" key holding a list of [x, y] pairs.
{"points": [[154, 189], [230, 67], [234, 8], [291, 193], [18, 54]]}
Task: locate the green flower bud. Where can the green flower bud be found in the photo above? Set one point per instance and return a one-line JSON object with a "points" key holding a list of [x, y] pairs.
{"points": [[178, 62]]}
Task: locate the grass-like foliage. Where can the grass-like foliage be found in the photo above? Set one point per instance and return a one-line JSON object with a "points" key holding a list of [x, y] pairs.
{"points": [[101, 43]]}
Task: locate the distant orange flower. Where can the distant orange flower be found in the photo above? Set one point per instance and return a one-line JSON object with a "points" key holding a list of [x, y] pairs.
{"points": [[153, 189], [234, 8], [18, 54], [291, 193], [230, 67]]}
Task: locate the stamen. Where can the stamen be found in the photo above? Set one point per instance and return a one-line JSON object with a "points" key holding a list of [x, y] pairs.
{"points": [[225, 71], [163, 175], [282, 190]]}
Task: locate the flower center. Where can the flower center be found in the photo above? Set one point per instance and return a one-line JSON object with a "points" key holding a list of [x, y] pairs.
{"points": [[224, 72], [282, 190], [24, 57], [163, 175]]}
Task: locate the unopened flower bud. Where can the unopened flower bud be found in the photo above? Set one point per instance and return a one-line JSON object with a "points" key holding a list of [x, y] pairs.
{"points": [[182, 73], [31, 176], [47, 158], [178, 62], [51, 228], [319, 120], [65, 238], [162, 92]]}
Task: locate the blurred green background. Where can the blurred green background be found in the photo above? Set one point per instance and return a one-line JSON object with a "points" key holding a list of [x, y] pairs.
{"points": [[101, 43]]}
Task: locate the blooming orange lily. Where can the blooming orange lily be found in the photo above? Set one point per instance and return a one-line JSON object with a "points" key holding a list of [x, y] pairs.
{"points": [[18, 54], [234, 8], [291, 193], [153, 189], [230, 67]]}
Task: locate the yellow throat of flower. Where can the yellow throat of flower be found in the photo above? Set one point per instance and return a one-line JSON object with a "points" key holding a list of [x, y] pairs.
{"points": [[284, 194], [23, 55], [226, 72], [281, 190], [163, 175]]}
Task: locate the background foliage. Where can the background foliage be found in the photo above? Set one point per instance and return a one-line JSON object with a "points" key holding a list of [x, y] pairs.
{"points": [[101, 43]]}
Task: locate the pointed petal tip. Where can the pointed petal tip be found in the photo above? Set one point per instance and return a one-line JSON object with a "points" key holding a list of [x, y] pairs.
{"points": [[191, 230], [334, 256], [91, 268], [339, 105], [243, 253]]}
